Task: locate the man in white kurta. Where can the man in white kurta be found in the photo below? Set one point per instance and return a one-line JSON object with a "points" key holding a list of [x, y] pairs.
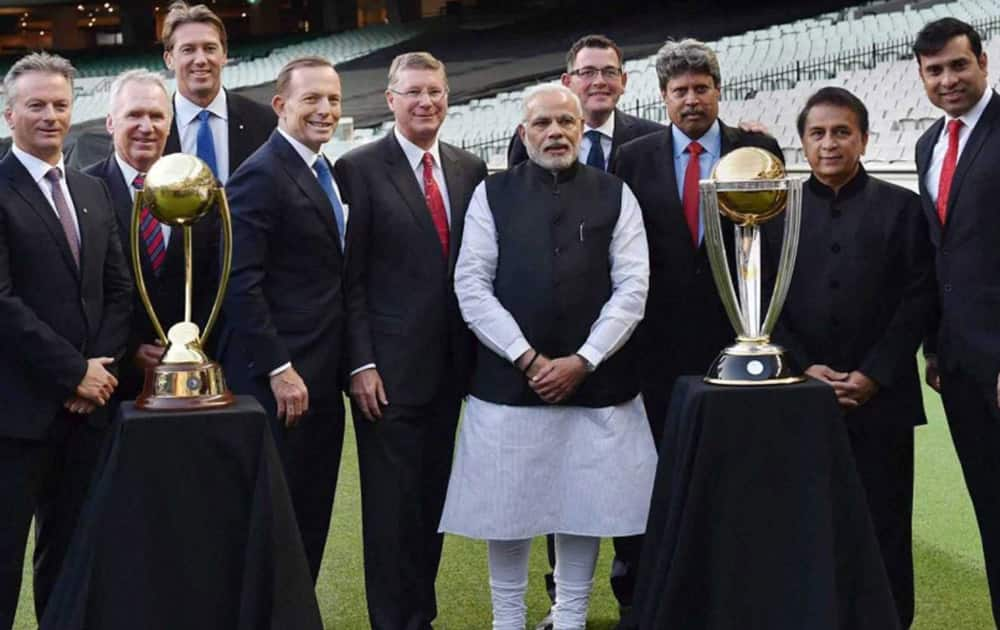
{"points": [[552, 278]]}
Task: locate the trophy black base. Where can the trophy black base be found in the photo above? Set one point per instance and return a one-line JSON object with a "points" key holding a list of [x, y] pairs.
{"points": [[184, 386], [754, 364]]}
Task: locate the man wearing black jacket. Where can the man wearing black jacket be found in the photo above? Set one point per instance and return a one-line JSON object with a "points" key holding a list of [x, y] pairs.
{"points": [[860, 301]]}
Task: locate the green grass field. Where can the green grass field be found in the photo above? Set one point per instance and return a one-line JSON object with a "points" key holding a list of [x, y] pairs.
{"points": [[951, 582]]}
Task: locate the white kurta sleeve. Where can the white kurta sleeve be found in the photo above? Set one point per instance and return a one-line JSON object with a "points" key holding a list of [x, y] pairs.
{"points": [[475, 272], [629, 255]]}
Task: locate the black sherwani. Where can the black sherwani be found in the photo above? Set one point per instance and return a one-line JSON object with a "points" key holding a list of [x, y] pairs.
{"points": [[861, 298]]}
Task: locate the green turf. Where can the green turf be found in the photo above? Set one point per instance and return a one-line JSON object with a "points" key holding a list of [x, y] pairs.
{"points": [[951, 582]]}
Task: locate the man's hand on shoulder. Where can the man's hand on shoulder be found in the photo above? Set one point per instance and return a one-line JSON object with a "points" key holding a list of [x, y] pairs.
{"points": [[291, 395], [753, 126]]}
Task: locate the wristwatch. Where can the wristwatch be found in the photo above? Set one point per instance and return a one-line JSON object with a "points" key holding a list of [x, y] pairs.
{"points": [[590, 367]]}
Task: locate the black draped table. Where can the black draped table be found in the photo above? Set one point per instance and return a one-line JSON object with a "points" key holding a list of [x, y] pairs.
{"points": [[188, 526], [758, 517]]}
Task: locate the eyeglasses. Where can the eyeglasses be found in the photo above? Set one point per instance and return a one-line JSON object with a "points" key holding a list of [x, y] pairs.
{"points": [[435, 94], [590, 73]]}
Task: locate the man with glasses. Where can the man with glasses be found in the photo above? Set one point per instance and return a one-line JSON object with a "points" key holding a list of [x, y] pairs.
{"points": [[594, 73], [409, 352]]}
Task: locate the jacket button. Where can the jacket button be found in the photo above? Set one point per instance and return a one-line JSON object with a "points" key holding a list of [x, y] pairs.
{"points": [[834, 284], [947, 288], [835, 248], [556, 250]]}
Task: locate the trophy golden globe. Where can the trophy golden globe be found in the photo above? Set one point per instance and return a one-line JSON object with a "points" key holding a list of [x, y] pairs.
{"points": [[749, 187], [179, 190]]}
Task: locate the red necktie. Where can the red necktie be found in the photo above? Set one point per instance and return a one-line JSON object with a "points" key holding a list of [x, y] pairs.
{"points": [[948, 169], [149, 228], [691, 177], [435, 203]]}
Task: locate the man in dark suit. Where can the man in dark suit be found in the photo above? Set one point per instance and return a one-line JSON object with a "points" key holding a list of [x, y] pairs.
{"points": [[285, 304], [685, 325], [65, 297], [595, 73], [220, 127], [138, 121], [859, 304], [956, 166], [409, 350]]}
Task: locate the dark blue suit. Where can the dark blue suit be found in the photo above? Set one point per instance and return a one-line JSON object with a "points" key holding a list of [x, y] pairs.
{"points": [[55, 316], [967, 343], [285, 303]]}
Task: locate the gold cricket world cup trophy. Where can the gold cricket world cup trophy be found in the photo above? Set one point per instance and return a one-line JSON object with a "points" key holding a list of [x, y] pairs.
{"points": [[179, 190], [749, 186]]}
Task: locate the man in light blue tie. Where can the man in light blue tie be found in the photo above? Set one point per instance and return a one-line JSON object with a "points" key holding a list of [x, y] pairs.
{"points": [[284, 310]]}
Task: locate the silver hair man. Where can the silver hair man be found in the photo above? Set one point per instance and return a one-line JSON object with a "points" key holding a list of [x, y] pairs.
{"points": [[686, 56], [552, 126], [138, 75], [36, 62]]}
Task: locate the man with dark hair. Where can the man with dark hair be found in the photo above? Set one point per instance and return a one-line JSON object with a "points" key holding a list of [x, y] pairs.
{"points": [[595, 73], [220, 127], [283, 336], [860, 301], [409, 352], [956, 165], [65, 299]]}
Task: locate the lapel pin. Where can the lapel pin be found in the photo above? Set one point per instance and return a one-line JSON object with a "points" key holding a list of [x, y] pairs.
{"points": [[241, 127], [85, 211]]}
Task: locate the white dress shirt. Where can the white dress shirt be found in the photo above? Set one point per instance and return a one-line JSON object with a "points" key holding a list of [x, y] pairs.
{"points": [[37, 168], [188, 124], [415, 157], [607, 131], [969, 120], [129, 173]]}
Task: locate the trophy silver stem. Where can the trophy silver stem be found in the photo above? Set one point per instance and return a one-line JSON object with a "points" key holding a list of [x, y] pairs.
{"points": [[748, 267], [716, 249], [188, 272]]}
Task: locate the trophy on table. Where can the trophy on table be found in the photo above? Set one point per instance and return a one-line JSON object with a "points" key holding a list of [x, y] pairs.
{"points": [[179, 190], [749, 186]]}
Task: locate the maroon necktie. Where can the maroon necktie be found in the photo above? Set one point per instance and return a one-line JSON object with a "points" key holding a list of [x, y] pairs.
{"points": [[149, 228], [691, 177], [65, 217], [435, 203], [948, 169]]}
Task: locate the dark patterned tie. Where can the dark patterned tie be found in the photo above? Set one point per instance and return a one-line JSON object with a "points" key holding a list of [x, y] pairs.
{"points": [[595, 157], [151, 231], [435, 203], [65, 214]]}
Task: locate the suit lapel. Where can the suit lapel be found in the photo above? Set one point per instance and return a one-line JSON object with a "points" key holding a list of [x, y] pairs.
{"points": [[405, 181], [88, 225], [677, 224], [174, 137], [621, 135], [27, 189], [924, 153], [975, 143], [306, 181], [455, 179], [238, 149]]}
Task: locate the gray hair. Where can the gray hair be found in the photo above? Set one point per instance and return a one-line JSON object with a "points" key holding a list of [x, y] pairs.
{"points": [[687, 55], [37, 62], [138, 75], [535, 91], [415, 61]]}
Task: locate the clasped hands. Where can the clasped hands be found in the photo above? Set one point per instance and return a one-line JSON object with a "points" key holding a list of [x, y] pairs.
{"points": [[853, 388], [95, 389], [553, 380]]}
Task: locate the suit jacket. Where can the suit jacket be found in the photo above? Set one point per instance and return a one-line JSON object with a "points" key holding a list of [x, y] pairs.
{"points": [[862, 292], [626, 128], [249, 123], [54, 315], [166, 291], [402, 312], [967, 258], [285, 301], [685, 325]]}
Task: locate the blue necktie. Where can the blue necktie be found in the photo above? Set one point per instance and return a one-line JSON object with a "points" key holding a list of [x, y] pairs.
{"points": [[595, 157], [326, 183], [205, 148]]}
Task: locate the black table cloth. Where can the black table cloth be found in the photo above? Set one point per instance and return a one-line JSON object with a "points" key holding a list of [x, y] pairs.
{"points": [[758, 518], [188, 526]]}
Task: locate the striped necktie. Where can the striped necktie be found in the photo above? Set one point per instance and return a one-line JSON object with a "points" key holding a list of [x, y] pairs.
{"points": [[149, 229]]}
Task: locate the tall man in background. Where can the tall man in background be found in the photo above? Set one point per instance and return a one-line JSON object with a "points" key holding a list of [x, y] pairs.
{"points": [[956, 166], [220, 127], [284, 328], [595, 72], [409, 352], [139, 121], [65, 296]]}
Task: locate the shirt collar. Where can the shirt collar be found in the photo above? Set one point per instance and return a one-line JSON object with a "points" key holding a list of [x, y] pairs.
{"points": [[971, 117], [36, 167], [128, 171], [607, 129], [710, 141], [414, 154], [187, 111], [307, 154], [848, 190]]}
